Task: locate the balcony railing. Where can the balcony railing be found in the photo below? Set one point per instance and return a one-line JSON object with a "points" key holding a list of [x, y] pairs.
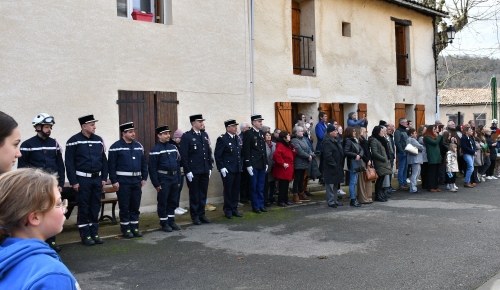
{"points": [[302, 59]]}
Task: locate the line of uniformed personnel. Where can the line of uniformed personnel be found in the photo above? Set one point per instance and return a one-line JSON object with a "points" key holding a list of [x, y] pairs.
{"points": [[87, 169]]}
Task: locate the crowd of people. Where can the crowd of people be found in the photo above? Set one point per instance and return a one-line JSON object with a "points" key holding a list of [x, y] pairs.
{"points": [[255, 165]]}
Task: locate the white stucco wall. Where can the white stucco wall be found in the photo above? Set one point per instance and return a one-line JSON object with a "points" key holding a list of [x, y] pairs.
{"points": [[69, 58], [356, 69]]}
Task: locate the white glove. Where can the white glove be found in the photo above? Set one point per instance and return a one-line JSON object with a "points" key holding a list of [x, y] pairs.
{"points": [[224, 171], [267, 166], [190, 176], [250, 170], [209, 173]]}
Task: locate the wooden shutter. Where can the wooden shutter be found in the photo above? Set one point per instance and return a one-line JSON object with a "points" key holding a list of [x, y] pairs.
{"points": [[166, 110], [419, 116], [362, 110], [296, 39], [399, 112], [284, 116], [138, 107], [337, 114], [401, 55]]}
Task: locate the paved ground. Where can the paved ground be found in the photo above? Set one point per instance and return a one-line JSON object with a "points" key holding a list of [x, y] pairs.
{"points": [[426, 241]]}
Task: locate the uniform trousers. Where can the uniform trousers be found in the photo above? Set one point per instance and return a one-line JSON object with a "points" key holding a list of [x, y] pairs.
{"points": [[89, 204], [129, 202], [257, 182], [198, 195], [231, 185], [167, 197]]}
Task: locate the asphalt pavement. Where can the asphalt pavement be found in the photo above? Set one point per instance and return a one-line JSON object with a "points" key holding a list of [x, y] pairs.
{"points": [[429, 240]]}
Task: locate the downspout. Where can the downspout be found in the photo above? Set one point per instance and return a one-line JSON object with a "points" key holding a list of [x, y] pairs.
{"points": [[252, 97], [434, 51]]}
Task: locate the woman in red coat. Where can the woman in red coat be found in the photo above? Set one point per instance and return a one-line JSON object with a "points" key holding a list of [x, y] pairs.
{"points": [[283, 166]]}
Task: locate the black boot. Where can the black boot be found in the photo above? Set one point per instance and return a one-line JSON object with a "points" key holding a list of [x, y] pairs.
{"points": [[355, 203], [173, 225], [379, 197]]}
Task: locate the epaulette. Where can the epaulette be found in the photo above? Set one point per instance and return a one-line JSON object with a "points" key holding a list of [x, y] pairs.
{"points": [[222, 135]]}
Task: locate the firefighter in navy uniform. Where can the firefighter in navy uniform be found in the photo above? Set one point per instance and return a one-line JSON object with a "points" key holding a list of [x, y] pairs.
{"points": [[254, 152], [229, 163], [128, 172], [44, 152], [87, 171], [196, 160], [165, 174]]}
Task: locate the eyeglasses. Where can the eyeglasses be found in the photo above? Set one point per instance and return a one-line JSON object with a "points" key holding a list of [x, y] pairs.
{"points": [[63, 204]]}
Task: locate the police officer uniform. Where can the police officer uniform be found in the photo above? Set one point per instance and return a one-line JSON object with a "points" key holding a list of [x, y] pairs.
{"points": [[44, 153], [254, 152], [164, 171], [229, 163], [127, 165], [86, 165], [195, 159]]}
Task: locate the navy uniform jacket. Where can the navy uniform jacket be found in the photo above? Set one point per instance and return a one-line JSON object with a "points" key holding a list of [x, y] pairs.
{"points": [[127, 158], [195, 152], [254, 149], [164, 156], [45, 154], [228, 153], [85, 155]]}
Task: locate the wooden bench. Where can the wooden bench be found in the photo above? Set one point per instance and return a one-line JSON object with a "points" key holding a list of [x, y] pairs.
{"points": [[104, 200], [69, 194]]}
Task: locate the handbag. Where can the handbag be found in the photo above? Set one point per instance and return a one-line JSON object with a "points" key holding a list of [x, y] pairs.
{"points": [[357, 166], [370, 173], [411, 149]]}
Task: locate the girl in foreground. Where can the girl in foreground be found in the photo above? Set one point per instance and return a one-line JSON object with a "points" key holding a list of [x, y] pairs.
{"points": [[31, 210]]}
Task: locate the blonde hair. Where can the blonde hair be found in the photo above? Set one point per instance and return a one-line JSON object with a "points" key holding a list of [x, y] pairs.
{"points": [[452, 146], [22, 192]]}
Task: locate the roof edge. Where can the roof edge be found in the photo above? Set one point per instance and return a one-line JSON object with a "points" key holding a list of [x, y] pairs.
{"points": [[419, 7]]}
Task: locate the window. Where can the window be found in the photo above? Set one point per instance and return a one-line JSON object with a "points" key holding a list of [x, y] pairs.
{"points": [[303, 45], [161, 9], [480, 119], [454, 118], [346, 29], [402, 30]]}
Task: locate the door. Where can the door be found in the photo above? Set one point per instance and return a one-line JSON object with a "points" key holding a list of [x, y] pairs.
{"points": [[399, 112], [284, 116], [337, 114], [419, 116], [148, 110], [362, 110]]}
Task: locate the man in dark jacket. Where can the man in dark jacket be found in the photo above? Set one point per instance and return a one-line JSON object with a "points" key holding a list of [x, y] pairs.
{"points": [[333, 165], [400, 137]]}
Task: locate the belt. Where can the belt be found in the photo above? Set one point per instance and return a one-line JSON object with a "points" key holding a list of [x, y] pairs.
{"points": [[167, 172], [122, 173], [83, 174]]}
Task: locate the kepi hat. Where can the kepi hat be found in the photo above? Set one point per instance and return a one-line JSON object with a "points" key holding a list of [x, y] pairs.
{"points": [[127, 126], [197, 117], [256, 117], [230, 122], [162, 129], [87, 119]]}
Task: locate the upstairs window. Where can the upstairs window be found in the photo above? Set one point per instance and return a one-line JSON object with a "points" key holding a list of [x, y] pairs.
{"points": [[402, 45], [303, 45], [161, 9]]}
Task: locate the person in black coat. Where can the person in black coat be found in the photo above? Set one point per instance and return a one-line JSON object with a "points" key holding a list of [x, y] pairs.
{"points": [[333, 167]]}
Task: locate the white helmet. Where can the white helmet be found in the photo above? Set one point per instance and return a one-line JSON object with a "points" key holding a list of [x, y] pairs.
{"points": [[42, 119]]}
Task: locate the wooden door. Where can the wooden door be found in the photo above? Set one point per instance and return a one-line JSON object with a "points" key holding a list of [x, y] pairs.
{"points": [[337, 114], [147, 110], [362, 110], [419, 116], [399, 112], [166, 110], [137, 106], [284, 116], [296, 39]]}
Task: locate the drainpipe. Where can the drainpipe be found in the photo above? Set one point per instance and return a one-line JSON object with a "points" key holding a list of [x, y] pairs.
{"points": [[252, 97], [434, 51]]}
